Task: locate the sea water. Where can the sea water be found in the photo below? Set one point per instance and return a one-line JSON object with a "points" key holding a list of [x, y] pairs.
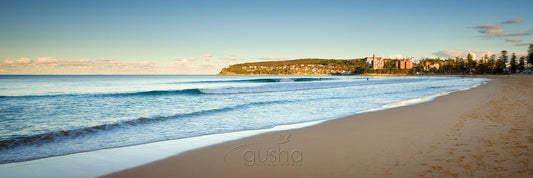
{"points": [[47, 116]]}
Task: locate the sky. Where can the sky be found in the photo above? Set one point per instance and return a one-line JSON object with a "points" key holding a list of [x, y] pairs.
{"points": [[202, 37]]}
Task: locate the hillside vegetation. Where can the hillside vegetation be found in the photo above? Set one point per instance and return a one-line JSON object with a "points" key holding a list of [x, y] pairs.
{"points": [[294, 67]]}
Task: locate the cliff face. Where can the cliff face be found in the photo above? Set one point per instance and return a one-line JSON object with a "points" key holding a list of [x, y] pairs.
{"points": [[294, 67]]}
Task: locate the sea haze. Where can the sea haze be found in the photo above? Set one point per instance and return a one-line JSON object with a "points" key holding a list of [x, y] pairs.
{"points": [[46, 116]]}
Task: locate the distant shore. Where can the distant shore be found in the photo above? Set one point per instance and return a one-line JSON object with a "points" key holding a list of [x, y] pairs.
{"points": [[414, 75], [479, 132]]}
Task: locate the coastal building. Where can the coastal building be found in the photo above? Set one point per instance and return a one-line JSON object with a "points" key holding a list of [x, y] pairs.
{"points": [[374, 62], [431, 65], [404, 64]]}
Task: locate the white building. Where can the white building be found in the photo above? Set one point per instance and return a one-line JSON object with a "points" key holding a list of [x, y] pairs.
{"points": [[415, 60]]}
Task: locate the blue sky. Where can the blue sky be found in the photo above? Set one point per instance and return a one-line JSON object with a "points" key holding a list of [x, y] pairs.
{"points": [[201, 37]]}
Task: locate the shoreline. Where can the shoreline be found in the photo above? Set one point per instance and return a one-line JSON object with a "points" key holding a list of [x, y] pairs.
{"points": [[388, 75], [342, 147], [169, 148]]}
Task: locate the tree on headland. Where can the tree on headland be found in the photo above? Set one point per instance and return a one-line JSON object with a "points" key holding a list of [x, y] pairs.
{"points": [[521, 64], [389, 64], [470, 64], [530, 54], [482, 67], [449, 66], [491, 64], [500, 63], [460, 66], [513, 63]]}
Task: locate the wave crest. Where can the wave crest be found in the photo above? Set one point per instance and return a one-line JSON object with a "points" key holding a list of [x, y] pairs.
{"points": [[51, 136], [261, 80]]}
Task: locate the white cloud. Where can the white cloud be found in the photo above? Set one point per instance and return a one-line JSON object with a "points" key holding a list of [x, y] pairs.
{"points": [[395, 56], [77, 61], [104, 59], [495, 30], [232, 58], [207, 55], [48, 65], [520, 54], [271, 58], [45, 60], [18, 61], [191, 68], [513, 20], [513, 40], [506, 35], [489, 29], [524, 44], [452, 53], [186, 60]]}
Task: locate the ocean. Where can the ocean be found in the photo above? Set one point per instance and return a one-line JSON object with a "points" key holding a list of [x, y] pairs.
{"points": [[45, 116]]}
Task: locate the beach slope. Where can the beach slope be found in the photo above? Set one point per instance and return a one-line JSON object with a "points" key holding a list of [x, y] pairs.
{"points": [[485, 131]]}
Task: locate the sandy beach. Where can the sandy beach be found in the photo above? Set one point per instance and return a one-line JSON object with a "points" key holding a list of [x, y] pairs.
{"points": [[485, 131]]}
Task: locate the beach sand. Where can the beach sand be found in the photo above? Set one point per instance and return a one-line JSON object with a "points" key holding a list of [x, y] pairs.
{"points": [[485, 131]]}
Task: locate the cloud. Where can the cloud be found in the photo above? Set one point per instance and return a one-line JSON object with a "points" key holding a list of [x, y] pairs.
{"points": [[494, 30], [489, 28], [186, 60], [231, 58], [271, 58], [49, 65], [513, 20], [506, 35], [395, 56], [513, 40], [451, 53], [191, 68], [520, 54], [207, 55], [516, 34], [77, 62], [46, 60], [18, 61], [113, 66], [524, 44]]}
